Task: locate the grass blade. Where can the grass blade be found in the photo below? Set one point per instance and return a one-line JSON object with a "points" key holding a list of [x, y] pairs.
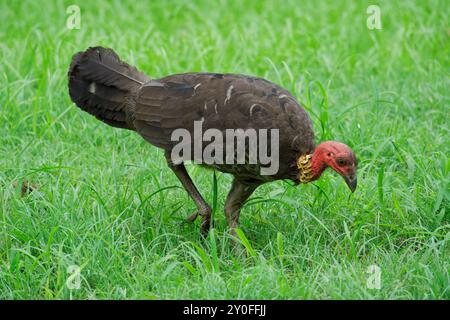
{"points": [[245, 242]]}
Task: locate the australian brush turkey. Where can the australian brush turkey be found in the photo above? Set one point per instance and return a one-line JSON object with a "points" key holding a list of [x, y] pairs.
{"points": [[121, 96]]}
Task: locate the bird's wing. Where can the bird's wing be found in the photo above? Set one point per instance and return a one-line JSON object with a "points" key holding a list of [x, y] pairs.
{"points": [[220, 102]]}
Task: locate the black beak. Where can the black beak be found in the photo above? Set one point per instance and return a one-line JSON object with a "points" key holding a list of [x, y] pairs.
{"points": [[351, 181]]}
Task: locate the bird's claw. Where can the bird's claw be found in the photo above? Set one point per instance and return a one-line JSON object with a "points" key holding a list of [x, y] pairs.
{"points": [[206, 220], [206, 225], [192, 217]]}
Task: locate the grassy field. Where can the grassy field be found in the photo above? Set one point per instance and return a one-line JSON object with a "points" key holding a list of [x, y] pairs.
{"points": [[106, 203]]}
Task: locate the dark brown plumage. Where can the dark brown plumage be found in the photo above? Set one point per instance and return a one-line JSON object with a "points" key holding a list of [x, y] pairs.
{"points": [[121, 96]]}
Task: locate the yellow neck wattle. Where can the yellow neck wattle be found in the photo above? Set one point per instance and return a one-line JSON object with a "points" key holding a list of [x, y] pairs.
{"points": [[304, 166]]}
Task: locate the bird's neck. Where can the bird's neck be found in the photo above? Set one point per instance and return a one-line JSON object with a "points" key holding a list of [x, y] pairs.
{"points": [[310, 166]]}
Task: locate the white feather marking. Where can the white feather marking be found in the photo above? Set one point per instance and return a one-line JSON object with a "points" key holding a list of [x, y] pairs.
{"points": [[251, 108], [282, 96], [293, 140], [92, 88], [230, 89], [215, 108], [197, 85], [206, 107]]}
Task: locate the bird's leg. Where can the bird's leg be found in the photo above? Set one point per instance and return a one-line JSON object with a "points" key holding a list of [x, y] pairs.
{"points": [[202, 207], [236, 198]]}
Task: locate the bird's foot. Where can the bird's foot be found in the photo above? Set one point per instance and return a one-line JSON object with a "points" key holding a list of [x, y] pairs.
{"points": [[206, 219], [192, 217], [206, 222]]}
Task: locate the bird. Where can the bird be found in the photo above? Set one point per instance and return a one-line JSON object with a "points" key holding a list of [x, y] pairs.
{"points": [[120, 95]]}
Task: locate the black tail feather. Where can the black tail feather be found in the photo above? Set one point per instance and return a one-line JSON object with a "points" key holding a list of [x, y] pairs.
{"points": [[99, 83]]}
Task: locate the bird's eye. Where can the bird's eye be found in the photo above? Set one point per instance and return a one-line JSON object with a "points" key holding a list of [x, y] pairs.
{"points": [[341, 162]]}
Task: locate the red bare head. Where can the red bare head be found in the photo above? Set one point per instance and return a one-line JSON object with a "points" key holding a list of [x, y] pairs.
{"points": [[339, 157]]}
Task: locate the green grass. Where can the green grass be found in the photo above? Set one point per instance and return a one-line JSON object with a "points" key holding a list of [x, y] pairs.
{"points": [[107, 202]]}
